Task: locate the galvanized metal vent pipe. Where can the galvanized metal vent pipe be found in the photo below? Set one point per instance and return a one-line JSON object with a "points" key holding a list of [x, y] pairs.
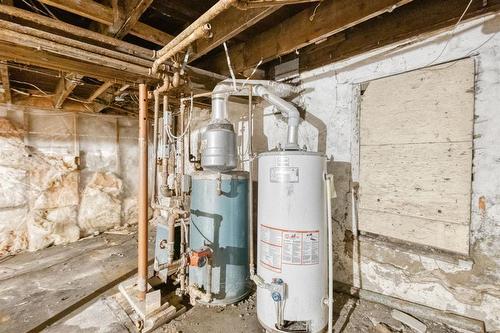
{"points": [[219, 140]]}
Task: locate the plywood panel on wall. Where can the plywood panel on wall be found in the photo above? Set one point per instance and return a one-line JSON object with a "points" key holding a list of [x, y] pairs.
{"points": [[430, 180], [446, 236], [416, 156], [435, 104]]}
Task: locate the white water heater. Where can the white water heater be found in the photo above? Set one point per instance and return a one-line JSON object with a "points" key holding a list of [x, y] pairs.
{"points": [[292, 265]]}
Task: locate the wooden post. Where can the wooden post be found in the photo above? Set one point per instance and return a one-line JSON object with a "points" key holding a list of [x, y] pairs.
{"points": [[142, 201]]}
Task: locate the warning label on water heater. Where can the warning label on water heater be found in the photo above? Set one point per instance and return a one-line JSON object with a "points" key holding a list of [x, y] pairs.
{"points": [[284, 175], [288, 247]]}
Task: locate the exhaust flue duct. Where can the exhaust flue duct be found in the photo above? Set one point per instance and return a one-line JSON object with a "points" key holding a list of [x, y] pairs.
{"points": [[219, 140]]}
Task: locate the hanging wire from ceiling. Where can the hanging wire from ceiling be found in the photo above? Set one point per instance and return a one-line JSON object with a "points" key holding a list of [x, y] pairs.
{"points": [[311, 18], [32, 85], [48, 10], [229, 65], [452, 33]]}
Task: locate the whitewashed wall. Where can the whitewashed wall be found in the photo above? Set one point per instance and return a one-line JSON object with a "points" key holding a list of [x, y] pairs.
{"points": [[464, 285]]}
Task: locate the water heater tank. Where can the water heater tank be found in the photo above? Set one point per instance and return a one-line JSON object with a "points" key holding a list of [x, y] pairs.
{"points": [[292, 241], [219, 221]]}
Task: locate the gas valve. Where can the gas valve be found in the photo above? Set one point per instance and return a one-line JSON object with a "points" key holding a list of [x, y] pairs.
{"points": [[277, 288], [199, 258]]}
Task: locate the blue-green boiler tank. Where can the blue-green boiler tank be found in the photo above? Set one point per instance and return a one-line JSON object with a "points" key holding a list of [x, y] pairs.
{"points": [[219, 220]]}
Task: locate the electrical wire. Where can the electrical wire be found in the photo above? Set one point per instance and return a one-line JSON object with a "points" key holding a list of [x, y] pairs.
{"points": [[169, 132], [28, 69], [311, 18], [229, 65], [32, 85], [48, 11], [253, 72], [36, 9], [452, 33], [29, 94]]}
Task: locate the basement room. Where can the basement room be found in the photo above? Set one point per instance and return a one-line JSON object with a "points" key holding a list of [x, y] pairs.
{"points": [[250, 166]]}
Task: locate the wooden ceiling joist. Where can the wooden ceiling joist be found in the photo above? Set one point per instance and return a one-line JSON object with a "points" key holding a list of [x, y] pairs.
{"points": [[41, 58], [28, 31], [126, 15], [4, 73], [104, 14], [229, 24], [65, 86], [71, 52], [408, 22], [99, 91], [81, 33], [308, 26]]}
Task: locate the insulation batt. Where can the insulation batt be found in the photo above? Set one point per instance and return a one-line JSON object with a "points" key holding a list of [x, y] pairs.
{"points": [[40, 203], [100, 207]]}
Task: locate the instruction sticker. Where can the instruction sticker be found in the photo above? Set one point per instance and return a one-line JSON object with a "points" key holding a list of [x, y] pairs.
{"points": [[292, 248], [310, 251], [284, 175], [280, 247]]}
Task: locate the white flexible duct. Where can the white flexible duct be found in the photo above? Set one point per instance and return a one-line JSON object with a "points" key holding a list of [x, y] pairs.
{"points": [[270, 91]]}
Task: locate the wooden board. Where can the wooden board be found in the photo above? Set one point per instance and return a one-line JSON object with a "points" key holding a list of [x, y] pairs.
{"points": [[429, 105], [416, 156], [446, 236], [430, 180], [39, 288]]}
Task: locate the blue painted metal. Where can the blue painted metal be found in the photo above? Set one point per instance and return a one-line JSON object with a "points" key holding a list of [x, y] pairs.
{"points": [[161, 256], [221, 223]]}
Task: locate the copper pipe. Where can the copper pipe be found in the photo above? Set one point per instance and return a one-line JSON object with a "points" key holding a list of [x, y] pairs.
{"points": [[142, 201], [215, 10], [198, 33]]}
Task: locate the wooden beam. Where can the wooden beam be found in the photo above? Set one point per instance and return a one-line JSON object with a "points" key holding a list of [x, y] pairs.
{"points": [[41, 58], [105, 51], [4, 72], [65, 86], [71, 52], [406, 23], [132, 11], [85, 34], [229, 24], [179, 10], [99, 91], [104, 14], [331, 17]]}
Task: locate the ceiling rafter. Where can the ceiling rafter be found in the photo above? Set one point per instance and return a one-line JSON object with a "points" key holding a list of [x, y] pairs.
{"points": [[307, 27], [104, 14], [4, 73], [67, 83], [126, 14], [229, 24]]}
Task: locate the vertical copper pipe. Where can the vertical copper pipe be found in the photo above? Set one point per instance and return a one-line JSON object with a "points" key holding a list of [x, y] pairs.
{"points": [[142, 202]]}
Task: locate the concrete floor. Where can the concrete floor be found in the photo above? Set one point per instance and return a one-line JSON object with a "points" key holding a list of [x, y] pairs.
{"points": [[73, 289], [351, 316]]}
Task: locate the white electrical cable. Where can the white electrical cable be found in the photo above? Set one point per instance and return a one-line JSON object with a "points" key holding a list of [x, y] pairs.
{"points": [[229, 65], [34, 86], [29, 94], [253, 72], [452, 33], [169, 132]]}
